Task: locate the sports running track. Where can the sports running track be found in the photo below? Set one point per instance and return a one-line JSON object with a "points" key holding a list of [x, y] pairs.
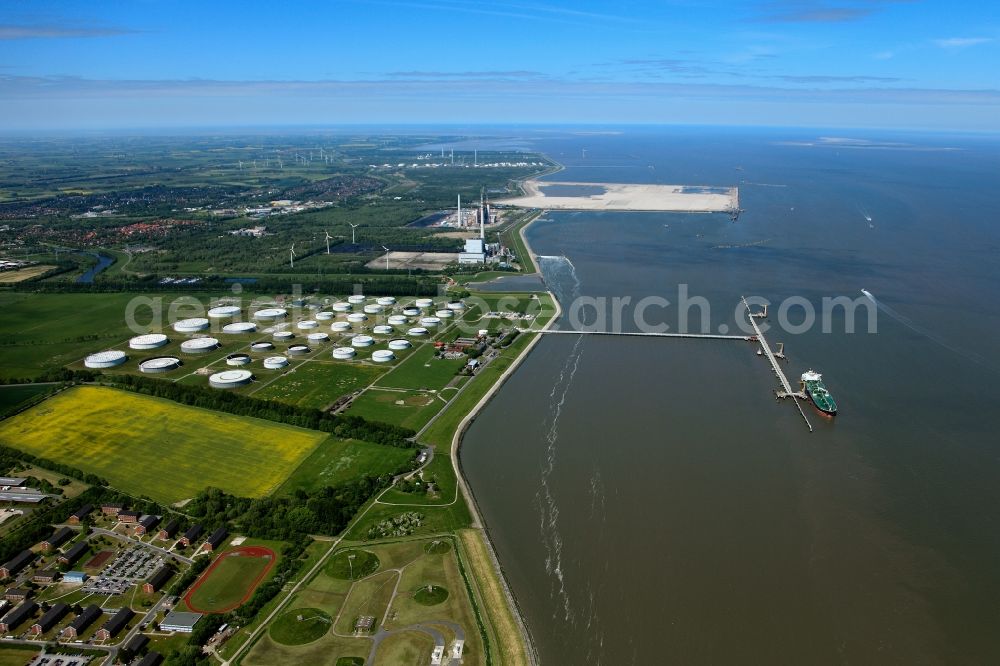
{"points": [[242, 551]]}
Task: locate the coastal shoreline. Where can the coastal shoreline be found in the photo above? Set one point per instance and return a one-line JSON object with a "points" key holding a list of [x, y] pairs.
{"points": [[478, 524]]}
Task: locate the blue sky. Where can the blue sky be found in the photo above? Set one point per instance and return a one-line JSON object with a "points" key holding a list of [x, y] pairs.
{"points": [[830, 63]]}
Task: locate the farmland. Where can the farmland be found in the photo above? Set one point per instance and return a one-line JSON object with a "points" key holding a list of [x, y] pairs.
{"points": [[173, 451]]}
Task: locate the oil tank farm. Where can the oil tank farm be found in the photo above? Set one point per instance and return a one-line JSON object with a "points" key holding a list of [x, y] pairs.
{"points": [[344, 353], [262, 346], [270, 314], [382, 356], [105, 359], [199, 345], [149, 341], [160, 364], [362, 341], [224, 312], [240, 327], [238, 359], [399, 344], [275, 362], [229, 379], [192, 325]]}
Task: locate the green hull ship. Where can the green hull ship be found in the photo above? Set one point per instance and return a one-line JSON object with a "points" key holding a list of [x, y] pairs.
{"points": [[812, 384]]}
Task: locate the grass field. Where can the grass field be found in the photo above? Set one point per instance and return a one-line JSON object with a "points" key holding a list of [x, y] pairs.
{"points": [[300, 626], [410, 409], [336, 461], [44, 331], [319, 383], [10, 277], [421, 370], [230, 580], [172, 451]]}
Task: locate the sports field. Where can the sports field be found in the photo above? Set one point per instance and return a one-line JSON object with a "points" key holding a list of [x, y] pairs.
{"points": [[155, 447], [230, 579]]}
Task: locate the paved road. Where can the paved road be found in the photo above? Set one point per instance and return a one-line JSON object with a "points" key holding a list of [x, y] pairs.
{"points": [[125, 537]]}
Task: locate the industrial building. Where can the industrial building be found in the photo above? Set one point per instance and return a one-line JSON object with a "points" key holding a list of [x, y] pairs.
{"points": [[17, 563], [158, 579], [169, 530], [77, 516], [74, 577], [215, 539], [179, 621], [50, 619], [73, 554], [58, 538], [191, 535], [146, 523], [15, 617], [87, 617], [113, 626]]}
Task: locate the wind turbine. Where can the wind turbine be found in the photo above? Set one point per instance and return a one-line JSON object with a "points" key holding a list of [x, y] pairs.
{"points": [[327, 241], [386, 257], [291, 256], [353, 227]]}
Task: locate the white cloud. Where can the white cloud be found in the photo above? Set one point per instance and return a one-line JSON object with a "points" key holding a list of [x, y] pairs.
{"points": [[961, 42]]}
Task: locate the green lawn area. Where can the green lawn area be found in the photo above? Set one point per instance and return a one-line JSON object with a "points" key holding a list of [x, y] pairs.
{"points": [[158, 448], [352, 564], [224, 586], [421, 370], [337, 461], [415, 410], [17, 655], [320, 383], [300, 626]]}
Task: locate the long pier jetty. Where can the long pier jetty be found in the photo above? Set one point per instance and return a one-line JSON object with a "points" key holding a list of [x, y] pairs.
{"points": [[639, 334], [785, 385]]}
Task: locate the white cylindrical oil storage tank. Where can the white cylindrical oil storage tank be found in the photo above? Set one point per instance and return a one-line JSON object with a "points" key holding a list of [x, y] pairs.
{"points": [[344, 353], [399, 344], [275, 362], [238, 359], [357, 317], [228, 379], [199, 345], [148, 341], [456, 305], [160, 364], [341, 306], [240, 327], [283, 336], [319, 336], [192, 325], [362, 341], [411, 312], [417, 331], [386, 301], [307, 324], [105, 359], [373, 309], [382, 356], [298, 350], [444, 314], [224, 312], [261, 346], [396, 320], [424, 303], [382, 330], [357, 299], [340, 326], [270, 314], [324, 316], [429, 322]]}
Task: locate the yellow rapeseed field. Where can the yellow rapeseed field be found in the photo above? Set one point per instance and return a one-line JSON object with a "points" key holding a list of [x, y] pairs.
{"points": [[155, 447]]}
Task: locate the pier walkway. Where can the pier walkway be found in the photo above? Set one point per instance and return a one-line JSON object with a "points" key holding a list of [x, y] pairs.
{"points": [[640, 334], [788, 392]]}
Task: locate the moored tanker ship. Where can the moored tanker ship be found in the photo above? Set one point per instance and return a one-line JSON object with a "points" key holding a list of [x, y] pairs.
{"points": [[812, 384]]}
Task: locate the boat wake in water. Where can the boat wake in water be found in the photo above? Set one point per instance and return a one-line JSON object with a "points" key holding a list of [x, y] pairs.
{"points": [[920, 330]]}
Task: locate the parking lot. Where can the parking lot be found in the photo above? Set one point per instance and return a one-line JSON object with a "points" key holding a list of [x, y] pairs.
{"points": [[130, 566], [58, 660]]}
